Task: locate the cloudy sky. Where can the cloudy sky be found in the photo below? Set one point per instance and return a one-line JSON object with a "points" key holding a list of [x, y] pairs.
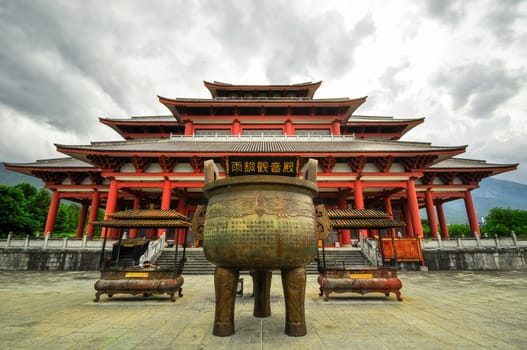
{"points": [[460, 64]]}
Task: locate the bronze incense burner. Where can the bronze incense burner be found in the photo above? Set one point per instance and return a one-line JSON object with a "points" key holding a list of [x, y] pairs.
{"points": [[259, 223]]}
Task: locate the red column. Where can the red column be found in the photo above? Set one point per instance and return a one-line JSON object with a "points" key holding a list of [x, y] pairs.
{"points": [[137, 205], [189, 128], [236, 127], [442, 220], [182, 208], [344, 237], [165, 198], [288, 128], [94, 209], [111, 204], [52, 213], [408, 219], [431, 213], [389, 210], [165, 202], [335, 128], [82, 220], [413, 206], [471, 213], [359, 202]]}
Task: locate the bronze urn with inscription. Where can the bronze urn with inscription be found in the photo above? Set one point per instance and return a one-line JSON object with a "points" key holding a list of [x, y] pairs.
{"points": [[260, 223]]}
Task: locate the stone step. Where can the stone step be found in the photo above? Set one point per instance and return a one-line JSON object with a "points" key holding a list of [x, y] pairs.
{"points": [[197, 263]]}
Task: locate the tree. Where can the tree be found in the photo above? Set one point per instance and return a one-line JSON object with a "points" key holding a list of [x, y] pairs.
{"points": [[67, 219], [459, 230], [501, 221], [18, 213]]}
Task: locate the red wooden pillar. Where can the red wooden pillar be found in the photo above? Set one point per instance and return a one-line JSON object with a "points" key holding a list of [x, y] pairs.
{"points": [[359, 202], [413, 207], [111, 204], [94, 209], [344, 237], [335, 128], [52, 213], [471, 213], [182, 208], [442, 221], [189, 128], [288, 128], [407, 218], [236, 127], [388, 208], [82, 220], [431, 213], [165, 202], [137, 205]]}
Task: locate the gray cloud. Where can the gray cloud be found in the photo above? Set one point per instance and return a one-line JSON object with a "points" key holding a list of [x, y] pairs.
{"points": [[287, 44], [446, 11], [501, 18], [480, 88]]}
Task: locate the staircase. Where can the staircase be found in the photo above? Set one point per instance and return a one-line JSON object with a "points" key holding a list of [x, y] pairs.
{"points": [[340, 258], [197, 264]]}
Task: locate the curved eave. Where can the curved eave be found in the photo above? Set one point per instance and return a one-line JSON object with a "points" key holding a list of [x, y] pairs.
{"points": [[488, 169], [113, 125], [387, 122], [412, 124], [33, 169], [350, 104], [211, 149], [213, 87], [406, 124], [118, 124], [155, 120]]}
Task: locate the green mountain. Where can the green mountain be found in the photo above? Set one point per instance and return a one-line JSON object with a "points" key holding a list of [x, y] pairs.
{"points": [[10, 178], [492, 193]]}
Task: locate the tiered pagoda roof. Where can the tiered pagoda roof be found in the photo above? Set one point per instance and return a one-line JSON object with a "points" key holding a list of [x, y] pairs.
{"points": [[225, 90], [164, 139]]}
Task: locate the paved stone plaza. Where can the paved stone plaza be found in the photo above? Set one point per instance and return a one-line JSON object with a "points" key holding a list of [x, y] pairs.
{"points": [[441, 310]]}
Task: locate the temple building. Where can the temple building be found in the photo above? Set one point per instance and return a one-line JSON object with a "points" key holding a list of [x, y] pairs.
{"points": [[253, 128]]}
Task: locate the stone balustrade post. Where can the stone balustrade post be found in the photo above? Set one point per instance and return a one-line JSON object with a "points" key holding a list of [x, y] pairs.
{"points": [[497, 241], [478, 241], [26, 243], [459, 244], [439, 242], [514, 239], [46, 239], [65, 243], [8, 241], [84, 241]]}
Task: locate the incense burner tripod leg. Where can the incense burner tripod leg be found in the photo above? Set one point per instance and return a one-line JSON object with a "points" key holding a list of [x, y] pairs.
{"points": [[262, 293], [225, 284], [294, 285]]}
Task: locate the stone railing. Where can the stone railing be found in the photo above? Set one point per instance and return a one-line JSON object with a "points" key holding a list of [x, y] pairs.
{"points": [[50, 243], [263, 137], [154, 250], [370, 250], [471, 243]]}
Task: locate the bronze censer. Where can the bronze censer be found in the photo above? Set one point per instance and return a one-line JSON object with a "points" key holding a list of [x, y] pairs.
{"points": [[260, 223]]}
